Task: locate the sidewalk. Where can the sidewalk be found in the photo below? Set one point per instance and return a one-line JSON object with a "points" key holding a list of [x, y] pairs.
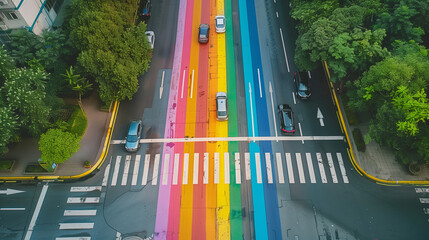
{"points": [[27, 151]]}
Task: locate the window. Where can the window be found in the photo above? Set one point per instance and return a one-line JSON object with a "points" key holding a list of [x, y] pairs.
{"points": [[11, 16], [49, 4]]}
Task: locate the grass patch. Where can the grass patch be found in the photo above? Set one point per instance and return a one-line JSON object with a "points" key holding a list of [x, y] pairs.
{"points": [[358, 138], [5, 164], [35, 169], [77, 122]]}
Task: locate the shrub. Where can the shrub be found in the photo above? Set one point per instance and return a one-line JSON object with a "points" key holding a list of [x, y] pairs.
{"points": [[358, 138], [5, 164], [77, 122]]}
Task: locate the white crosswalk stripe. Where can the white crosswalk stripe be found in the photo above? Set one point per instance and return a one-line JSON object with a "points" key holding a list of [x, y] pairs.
{"points": [[332, 168], [136, 170], [310, 168], [321, 168], [175, 171]]}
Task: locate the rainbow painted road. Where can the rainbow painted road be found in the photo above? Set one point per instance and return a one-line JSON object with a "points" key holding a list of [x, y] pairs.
{"points": [[212, 210]]}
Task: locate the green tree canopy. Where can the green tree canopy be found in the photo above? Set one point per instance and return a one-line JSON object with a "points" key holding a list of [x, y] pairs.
{"points": [[57, 146]]}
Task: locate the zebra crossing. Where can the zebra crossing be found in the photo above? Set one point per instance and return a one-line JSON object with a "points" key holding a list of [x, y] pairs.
{"points": [[83, 208], [299, 168]]}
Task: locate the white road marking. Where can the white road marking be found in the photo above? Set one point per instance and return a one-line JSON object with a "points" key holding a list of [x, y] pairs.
{"points": [[206, 168], [300, 168], [166, 165], [116, 171], [260, 86], [284, 50], [176, 169], [238, 139], [83, 200], [185, 168], [136, 170], [145, 169], [237, 168], [426, 210], [73, 238], [268, 165], [36, 212], [196, 162], [183, 82], [9, 191], [332, 168], [424, 200], [342, 168], [192, 82], [75, 226], [289, 168], [12, 209], [80, 212], [277, 13], [126, 169], [320, 117], [258, 168], [216, 167], [274, 114], [85, 189], [161, 88], [251, 109], [247, 165], [280, 168], [118, 236], [310, 168], [321, 168], [155, 170], [294, 98], [226, 166], [106, 175], [422, 190], [300, 132]]}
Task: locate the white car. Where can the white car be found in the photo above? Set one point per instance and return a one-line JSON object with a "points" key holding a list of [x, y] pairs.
{"points": [[220, 24], [151, 38]]}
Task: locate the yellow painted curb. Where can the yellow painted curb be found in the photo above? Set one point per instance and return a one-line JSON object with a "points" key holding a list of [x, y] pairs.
{"points": [[96, 166], [355, 164]]}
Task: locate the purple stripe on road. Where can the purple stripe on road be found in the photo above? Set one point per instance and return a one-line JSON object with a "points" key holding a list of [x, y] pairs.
{"points": [[164, 190]]}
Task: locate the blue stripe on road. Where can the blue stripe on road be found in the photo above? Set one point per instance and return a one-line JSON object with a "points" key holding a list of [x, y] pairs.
{"points": [[260, 220], [270, 193]]}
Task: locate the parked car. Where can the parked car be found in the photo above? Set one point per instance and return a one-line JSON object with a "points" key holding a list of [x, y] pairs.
{"points": [[151, 38], [220, 24], [203, 33], [146, 9], [221, 106], [302, 85], [132, 141], [287, 124]]}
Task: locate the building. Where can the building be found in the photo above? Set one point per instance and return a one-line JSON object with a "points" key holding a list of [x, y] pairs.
{"points": [[34, 15]]}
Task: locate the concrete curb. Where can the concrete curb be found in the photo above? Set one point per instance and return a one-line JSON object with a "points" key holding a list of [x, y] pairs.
{"points": [[351, 148]]}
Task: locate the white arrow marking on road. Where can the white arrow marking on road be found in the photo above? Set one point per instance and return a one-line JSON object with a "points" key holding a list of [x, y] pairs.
{"points": [[251, 110], [161, 89], [274, 114], [260, 87], [320, 117], [10, 191]]}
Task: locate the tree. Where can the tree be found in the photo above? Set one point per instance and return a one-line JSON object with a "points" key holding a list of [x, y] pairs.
{"points": [[78, 84], [57, 146], [24, 90], [8, 127]]}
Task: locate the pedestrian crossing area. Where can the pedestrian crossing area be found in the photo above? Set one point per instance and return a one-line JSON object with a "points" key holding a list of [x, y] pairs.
{"points": [[195, 168]]}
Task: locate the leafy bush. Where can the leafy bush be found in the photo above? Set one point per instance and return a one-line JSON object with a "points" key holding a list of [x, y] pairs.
{"points": [[5, 164], [34, 169], [358, 138]]}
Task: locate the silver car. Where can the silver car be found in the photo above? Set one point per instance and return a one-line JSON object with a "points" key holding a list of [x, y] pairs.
{"points": [[221, 106], [151, 38], [220, 24]]}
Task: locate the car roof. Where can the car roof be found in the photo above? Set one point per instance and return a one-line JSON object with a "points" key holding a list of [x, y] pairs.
{"points": [[133, 127]]}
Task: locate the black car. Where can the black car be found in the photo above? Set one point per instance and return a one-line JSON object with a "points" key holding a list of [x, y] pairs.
{"points": [[146, 9], [302, 85], [203, 33], [287, 124]]}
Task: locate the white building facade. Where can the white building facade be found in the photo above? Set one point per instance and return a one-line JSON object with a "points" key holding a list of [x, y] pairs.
{"points": [[34, 15]]}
